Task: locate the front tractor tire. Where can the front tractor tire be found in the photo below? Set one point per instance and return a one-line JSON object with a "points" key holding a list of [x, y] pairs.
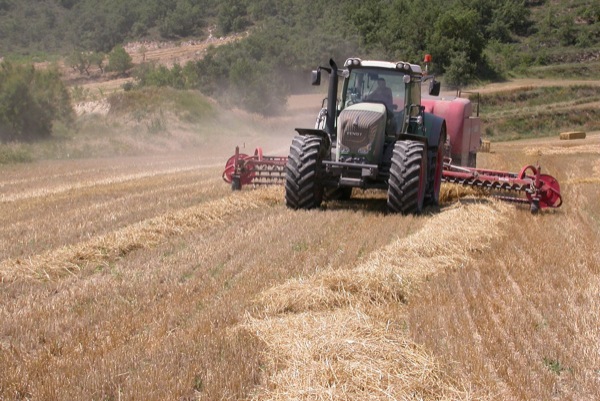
{"points": [[303, 186], [408, 178]]}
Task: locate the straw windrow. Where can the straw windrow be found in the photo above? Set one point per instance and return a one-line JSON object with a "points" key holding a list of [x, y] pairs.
{"points": [[341, 334], [100, 251]]}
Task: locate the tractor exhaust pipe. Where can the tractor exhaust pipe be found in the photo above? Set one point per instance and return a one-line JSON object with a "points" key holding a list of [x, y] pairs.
{"points": [[332, 99], [331, 94]]}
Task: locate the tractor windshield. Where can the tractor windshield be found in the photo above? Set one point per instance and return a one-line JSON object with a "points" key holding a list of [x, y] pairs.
{"points": [[376, 85]]}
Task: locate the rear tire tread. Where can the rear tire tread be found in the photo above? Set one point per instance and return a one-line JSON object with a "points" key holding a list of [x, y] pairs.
{"points": [[303, 189]]}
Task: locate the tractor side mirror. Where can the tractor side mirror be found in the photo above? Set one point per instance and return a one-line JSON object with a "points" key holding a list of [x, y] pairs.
{"points": [[434, 87], [316, 77]]}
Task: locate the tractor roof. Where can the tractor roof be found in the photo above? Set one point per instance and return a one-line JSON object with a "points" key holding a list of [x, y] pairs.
{"points": [[398, 65]]}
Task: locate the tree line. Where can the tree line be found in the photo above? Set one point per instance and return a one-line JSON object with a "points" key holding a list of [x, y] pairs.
{"points": [[290, 38], [59, 26], [468, 39]]}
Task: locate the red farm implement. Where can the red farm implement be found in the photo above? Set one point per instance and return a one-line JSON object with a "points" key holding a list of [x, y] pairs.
{"points": [[528, 186], [257, 169]]}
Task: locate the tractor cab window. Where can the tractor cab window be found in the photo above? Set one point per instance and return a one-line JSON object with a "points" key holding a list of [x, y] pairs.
{"points": [[375, 85]]}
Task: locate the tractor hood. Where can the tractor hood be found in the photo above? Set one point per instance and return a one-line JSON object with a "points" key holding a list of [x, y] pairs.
{"points": [[361, 133]]}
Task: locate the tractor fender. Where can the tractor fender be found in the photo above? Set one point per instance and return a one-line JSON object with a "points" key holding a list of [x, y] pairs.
{"points": [[316, 132], [433, 128]]}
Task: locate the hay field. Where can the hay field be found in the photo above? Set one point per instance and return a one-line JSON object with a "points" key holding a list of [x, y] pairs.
{"points": [[146, 278]]}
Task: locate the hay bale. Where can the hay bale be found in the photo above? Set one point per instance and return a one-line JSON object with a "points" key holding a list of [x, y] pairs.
{"points": [[485, 147], [572, 135]]}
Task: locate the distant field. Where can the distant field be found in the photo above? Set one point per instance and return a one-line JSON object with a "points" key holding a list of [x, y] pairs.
{"points": [[531, 108]]}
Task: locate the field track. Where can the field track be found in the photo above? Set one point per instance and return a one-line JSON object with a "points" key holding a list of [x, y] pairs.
{"points": [[147, 278]]}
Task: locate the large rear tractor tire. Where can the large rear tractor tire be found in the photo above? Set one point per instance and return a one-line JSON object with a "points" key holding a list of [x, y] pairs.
{"points": [[408, 178], [303, 187]]}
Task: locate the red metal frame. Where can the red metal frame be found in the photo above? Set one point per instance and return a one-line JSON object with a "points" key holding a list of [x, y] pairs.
{"points": [[528, 186], [258, 169], [540, 190]]}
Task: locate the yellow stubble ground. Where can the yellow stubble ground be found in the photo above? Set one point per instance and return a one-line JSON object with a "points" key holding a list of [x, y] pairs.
{"points": [[215, 295]]}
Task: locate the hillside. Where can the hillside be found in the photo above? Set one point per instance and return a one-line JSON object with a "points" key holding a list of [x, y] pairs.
{"points": [[471, 41], [38, 28], [473, 38]]}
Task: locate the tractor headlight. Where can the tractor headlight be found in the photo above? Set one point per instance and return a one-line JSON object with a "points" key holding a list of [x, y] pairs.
{"points": [[344, 149]]}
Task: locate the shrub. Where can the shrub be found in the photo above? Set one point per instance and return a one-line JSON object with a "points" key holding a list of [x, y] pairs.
{"points": [[460, 71], [82, 61], [10, 154], [30, 102], [119, 60]]}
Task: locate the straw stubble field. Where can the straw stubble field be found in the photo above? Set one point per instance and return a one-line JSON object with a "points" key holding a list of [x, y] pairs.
{"points": [[146, 278]]}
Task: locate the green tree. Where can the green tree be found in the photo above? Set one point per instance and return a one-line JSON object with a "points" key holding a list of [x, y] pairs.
{"points": [[5, 5], [184, 20], [369, 20], [30, 102], [407, 29], [119, 60], [232, 16], [100, 26], [67, 3], [457, 31], [97, 59], [509, 17], [460, 71], [566, 32], [81, 61]]}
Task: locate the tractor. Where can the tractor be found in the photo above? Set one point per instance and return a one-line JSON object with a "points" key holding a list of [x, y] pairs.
{"points": [[377, 135], [375, 130]]}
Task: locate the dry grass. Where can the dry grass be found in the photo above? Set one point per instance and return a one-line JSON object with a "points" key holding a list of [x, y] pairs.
{"points": [[521, 322], [558, 150], [87, 200], [348, 355], [451, 192], [152, 309]]}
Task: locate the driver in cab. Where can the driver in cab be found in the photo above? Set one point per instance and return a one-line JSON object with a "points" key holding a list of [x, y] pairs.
{"points": [[381, 94]]}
